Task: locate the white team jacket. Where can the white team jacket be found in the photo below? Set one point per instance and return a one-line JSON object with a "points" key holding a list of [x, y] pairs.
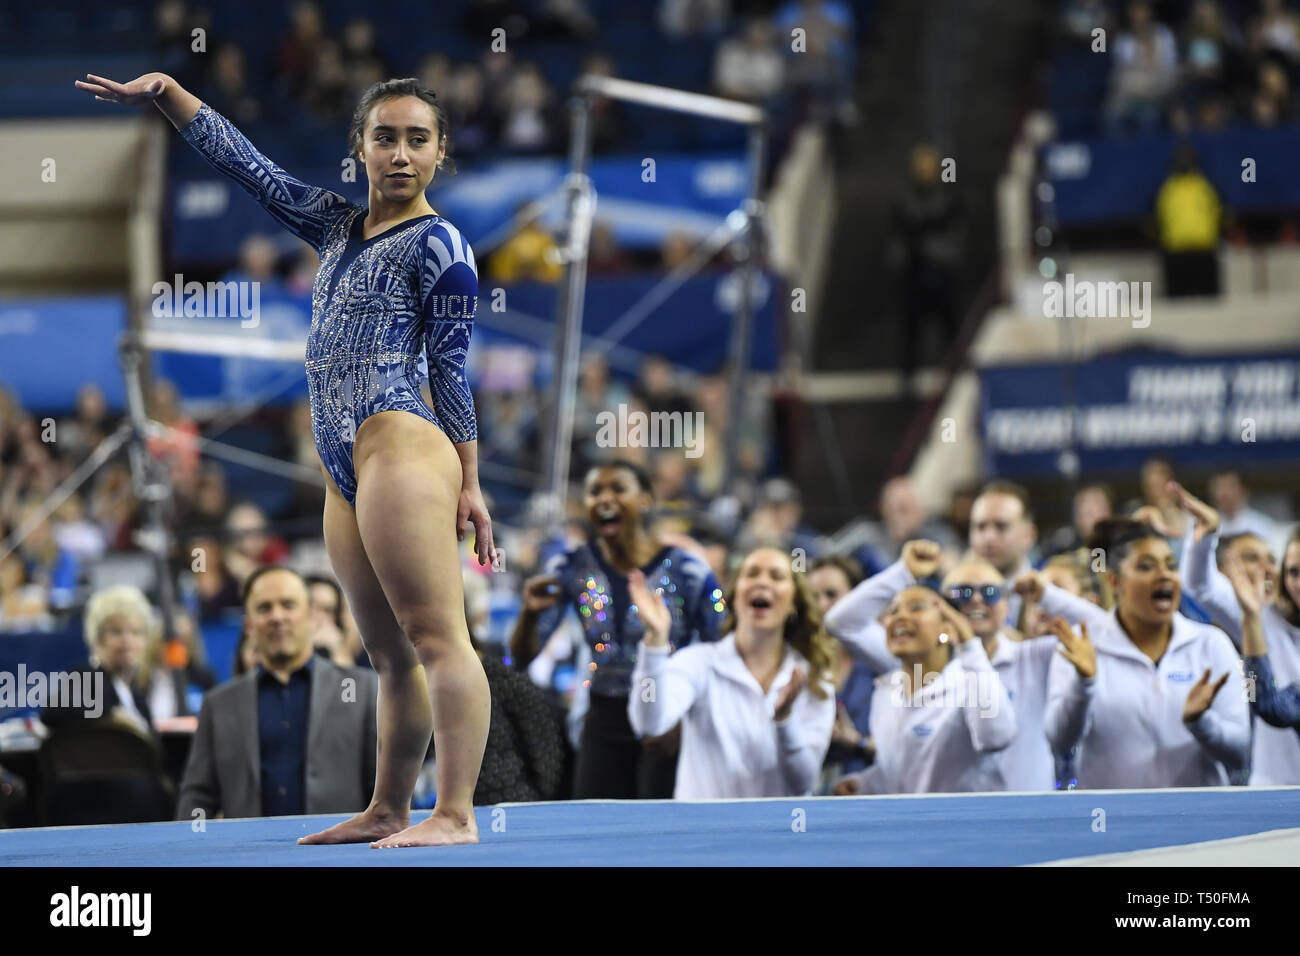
{"points": [[732, 745], [1275, 754], [945, 737], [1023, 667], [1128, 720]]}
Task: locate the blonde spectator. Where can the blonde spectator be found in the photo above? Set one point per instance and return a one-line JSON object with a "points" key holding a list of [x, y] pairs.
{"points": [[120, 628]]}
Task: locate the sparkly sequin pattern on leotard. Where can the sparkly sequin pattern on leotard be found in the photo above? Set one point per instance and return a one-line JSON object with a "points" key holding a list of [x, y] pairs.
{"points": [[613, 630], [386, 311]]}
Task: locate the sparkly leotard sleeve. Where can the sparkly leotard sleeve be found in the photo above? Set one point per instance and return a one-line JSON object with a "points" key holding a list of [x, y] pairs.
{"points": [[308, 212], [386, 310], [449, 292]]}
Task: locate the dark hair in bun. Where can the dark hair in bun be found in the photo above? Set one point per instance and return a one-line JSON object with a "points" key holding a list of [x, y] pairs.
{"points": [[1116, 537]]}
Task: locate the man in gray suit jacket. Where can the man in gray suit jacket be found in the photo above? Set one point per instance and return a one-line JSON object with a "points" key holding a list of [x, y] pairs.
{"points": [[296, 734]]}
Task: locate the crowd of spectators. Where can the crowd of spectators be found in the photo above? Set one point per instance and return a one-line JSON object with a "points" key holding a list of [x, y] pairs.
{"points": [[502, 101], [987, 541], [1198, 65]]}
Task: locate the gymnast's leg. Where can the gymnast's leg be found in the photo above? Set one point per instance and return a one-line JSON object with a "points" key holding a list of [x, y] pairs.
{"points": [[404, 715], [408, 481]]}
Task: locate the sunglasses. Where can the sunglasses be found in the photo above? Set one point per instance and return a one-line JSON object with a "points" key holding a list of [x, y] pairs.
{"points": [[965, 593]]}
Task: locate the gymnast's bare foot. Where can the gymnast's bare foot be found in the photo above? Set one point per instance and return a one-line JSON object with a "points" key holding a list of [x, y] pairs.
{"points": [[442, 828], [369, 825]]}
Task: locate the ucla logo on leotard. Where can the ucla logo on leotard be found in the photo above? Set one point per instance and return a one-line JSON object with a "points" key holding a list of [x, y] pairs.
{"points": [[453, 306]]}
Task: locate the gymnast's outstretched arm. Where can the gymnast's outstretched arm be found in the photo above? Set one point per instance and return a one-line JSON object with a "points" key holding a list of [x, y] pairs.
{"points": [[306, 211]]}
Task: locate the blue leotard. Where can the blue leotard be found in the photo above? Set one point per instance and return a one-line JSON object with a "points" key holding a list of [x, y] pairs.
{"points": [[386, 311], [610, 621]]}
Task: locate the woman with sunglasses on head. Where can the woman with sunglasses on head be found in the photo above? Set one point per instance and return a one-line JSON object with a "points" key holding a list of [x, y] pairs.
{"points": [[1166, 705], [1275, 752], [757, 706], [593, 579], [938, 721], [978, 590]]}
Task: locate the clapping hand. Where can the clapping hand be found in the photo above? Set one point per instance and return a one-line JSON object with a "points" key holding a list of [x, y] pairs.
{"points": [[1202, 695], [655, 615], [1250, 594], [1206, 518], [1078, 650], [785, 701]]}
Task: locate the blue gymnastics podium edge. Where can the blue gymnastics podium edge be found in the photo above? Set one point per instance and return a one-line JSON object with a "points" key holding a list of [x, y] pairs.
{"points": [[933, 829]]}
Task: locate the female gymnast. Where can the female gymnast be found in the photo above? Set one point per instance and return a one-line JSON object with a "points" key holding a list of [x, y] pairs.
{"points": [[593, 579], [397, 285]]}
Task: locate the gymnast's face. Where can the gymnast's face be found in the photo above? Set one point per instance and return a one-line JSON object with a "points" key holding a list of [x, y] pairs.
{"points": [[615, 502], [278, 618], [402, 147], [913, 623]]}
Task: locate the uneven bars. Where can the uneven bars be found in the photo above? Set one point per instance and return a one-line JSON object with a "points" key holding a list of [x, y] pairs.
{"points": [[234, 345], [668, 98]]}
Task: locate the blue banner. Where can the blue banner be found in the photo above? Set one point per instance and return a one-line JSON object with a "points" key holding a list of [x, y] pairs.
{"points": [[1200, 412], [691, 328], [50, 347], [1101, 181], [210, 216]]}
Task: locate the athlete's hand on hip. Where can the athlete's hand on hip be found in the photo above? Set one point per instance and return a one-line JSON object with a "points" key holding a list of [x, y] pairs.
{"points": [[473, 510], [143, 89]]}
